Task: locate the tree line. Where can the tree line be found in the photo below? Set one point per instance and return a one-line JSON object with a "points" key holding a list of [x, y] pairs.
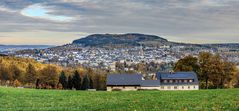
{"points": [[29, 73], [213, 70], [76, 81]]}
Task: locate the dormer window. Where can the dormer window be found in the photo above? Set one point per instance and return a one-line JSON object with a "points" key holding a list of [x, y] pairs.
{"points": [[185, 81]]}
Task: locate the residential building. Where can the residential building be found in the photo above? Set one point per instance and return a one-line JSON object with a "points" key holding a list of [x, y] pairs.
{"points": [[164, 81]]}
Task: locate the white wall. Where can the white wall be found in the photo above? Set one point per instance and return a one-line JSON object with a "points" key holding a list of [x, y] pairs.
{"points": [[180, 87], [162, 87], [126, 88], [151, 88]]}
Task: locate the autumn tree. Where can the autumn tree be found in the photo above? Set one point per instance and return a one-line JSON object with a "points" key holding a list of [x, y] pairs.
{"points": [[237, 78], [31, 74], [4, 70], [49, 76], [215, 71], [228, 78], [211, 68], [188, 63], [204, 62], [16, 83], [15, 71]]}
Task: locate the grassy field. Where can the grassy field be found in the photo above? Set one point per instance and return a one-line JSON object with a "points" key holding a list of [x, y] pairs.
{"points": [[31, 99]]}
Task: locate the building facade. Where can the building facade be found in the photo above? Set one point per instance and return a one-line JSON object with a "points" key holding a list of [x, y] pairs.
{"points": [[178, 81], [163, 81]]}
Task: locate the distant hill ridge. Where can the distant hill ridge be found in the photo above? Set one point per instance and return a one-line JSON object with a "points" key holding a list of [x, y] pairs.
{"points": [[131, 39]]}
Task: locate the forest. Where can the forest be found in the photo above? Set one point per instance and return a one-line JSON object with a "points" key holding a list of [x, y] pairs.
{"points": [[31, 74], [213, 71]]}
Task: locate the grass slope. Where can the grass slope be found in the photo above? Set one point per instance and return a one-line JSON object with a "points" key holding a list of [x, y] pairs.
{"points": [[31, 99]]}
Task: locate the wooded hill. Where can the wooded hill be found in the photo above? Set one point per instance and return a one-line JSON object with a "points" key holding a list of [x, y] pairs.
{"points": [[131, 39]]}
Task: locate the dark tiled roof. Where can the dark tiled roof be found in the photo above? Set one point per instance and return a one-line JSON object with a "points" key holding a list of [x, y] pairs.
{"points": [[150, 83], [136, 79], [178, 75], [124, 79]]}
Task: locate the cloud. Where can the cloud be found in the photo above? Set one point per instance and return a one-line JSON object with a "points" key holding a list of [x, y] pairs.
{"points": [[4, 9], [41, 12], [179, 20]]}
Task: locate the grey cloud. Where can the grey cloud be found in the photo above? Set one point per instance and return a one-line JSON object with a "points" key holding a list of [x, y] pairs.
{"points": [[166, 17]]}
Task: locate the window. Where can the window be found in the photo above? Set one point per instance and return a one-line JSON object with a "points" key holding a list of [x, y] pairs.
{"points": [[135, 87], [175, 87], [194, 87], [124, 87], [182, 87], [188, 87], [169, 87], [111, 87], [162, 87], [190, 80]]}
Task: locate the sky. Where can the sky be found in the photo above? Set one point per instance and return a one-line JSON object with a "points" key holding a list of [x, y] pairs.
{"points": [[58, 22]]}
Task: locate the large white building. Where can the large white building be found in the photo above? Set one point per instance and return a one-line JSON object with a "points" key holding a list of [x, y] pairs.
{"points": [[163, 81]]}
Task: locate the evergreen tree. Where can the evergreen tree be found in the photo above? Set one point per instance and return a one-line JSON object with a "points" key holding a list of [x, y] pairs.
{"points": [[76, 80], [63, 80], [91, 83], [37, 83], [70, 82], [86, 83]]}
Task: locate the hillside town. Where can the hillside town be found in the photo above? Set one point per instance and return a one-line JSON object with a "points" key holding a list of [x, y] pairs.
{"points": [[106, 58]]}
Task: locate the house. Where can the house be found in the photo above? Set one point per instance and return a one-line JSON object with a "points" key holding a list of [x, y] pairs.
{"points": [[178, 81], [124, 82], [163, 81]]}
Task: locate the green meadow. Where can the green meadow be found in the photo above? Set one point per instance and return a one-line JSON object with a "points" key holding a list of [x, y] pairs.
{"points": [[33, 99]]}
